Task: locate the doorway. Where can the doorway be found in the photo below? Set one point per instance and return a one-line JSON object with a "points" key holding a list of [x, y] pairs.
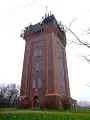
{"points": [[36, 102]]}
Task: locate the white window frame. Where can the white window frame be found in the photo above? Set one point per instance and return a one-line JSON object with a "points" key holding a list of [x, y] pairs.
{"points": [[34, 84], [37, 67], [37, 53], [39, 82]]}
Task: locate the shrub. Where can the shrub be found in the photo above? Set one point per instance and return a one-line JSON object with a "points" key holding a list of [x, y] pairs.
{"points": [[66, 102]]}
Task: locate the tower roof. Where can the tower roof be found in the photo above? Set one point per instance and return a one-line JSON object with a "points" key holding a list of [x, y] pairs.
{"points": [[48, 20]]}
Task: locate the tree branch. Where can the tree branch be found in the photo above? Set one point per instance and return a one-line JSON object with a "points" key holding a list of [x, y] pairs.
{"points": [[71, 22], [86, 58], [80, 42]]}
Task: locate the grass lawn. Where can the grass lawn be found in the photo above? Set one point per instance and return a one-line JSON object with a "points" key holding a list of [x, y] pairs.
{"points": [[35, 114]]}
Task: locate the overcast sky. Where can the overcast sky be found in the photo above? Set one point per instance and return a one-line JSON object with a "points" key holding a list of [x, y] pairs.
{"points": [[16, 14]]}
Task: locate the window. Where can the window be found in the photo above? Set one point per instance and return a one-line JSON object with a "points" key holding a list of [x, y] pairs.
{"points": [[37, 53], [39, 82], [34, 83], [37, 67]]}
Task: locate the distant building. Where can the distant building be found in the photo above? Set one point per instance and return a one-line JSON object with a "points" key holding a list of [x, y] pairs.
{"points": [[45, 76], [73, 102]]}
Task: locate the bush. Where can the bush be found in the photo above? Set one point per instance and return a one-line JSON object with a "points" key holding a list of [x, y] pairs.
{"points": [[66, 102]]}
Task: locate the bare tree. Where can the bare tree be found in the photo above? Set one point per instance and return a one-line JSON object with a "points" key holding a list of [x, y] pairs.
{"points": [[12, 94], [8, 95], [3, 90], [79, 41]]}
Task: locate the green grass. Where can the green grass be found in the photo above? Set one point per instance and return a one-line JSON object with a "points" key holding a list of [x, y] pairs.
{"points": [[36, 114]]}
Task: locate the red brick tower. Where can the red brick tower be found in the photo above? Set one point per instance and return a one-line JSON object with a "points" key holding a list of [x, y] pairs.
{"points": [[45, 75]]}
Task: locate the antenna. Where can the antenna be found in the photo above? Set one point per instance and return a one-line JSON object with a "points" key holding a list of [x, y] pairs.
{"points": [[46, 14], [50, 13], [46, 11]]}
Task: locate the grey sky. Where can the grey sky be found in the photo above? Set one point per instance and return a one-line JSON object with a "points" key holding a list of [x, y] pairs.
{"points": [[16, 14]]}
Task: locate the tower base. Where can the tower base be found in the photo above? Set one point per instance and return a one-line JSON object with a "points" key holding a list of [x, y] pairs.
{"points": [[53, 102]]}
